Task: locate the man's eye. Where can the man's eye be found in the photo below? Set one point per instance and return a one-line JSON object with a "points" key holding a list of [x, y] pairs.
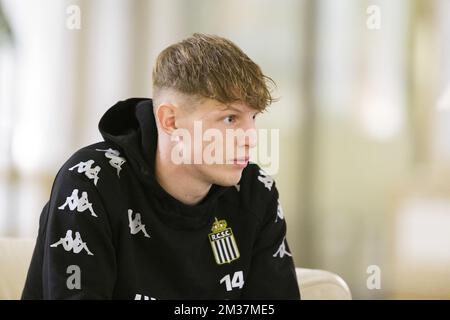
{"points": [[230, 119]]}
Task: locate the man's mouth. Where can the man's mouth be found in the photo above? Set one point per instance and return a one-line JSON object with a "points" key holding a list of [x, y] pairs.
{"points": [[241, 161]]}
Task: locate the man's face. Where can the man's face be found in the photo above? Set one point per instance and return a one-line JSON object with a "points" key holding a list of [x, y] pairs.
{"points": [[221, 136]]}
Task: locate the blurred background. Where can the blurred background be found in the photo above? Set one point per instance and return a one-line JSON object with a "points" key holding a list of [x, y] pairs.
{"points": [[364, 117]]}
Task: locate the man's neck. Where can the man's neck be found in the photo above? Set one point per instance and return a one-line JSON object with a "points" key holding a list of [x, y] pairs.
{"points": [[177, 181]]}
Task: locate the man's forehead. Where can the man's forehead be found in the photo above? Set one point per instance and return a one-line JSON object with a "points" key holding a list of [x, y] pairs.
{"points": [[237, 106]]}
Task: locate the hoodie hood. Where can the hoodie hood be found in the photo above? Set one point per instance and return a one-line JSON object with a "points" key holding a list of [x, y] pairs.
{"points": [[130, 125]]}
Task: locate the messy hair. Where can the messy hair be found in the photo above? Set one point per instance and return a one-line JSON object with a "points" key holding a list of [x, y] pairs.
{"points": [[209, 66]]}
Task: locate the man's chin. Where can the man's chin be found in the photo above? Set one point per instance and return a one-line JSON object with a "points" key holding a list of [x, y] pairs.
{"points": [[229, 179], [225, 184], [223, 175]]}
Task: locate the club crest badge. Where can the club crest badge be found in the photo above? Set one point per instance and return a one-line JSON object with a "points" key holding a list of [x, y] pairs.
{"points": [[223, 243]]}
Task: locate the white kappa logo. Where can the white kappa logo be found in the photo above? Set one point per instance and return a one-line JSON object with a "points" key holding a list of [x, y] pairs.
{"points": [[86, 168], [115, 160], [72, 244], [136, 224], [265, 179], [80, 204], [280, 213], [281, 252]]}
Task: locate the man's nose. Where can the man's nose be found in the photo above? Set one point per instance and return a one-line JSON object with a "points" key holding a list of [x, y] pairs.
{"points": [[248, 137]]}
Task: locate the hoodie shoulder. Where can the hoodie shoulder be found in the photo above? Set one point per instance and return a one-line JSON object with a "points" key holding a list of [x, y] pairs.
{"points": [[98, 163], [96, 151]]}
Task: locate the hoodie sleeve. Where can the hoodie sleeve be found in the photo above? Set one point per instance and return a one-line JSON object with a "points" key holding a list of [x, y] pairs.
{"points": [[74, 256], [272, 272]]}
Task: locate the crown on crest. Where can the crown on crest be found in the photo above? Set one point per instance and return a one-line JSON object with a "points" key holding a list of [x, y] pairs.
{"points": [[218, 226]]}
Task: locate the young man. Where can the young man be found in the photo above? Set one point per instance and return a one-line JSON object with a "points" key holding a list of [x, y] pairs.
{"points": [[158, 212]]}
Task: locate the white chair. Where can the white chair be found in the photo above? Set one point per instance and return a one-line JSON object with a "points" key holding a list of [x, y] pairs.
{"points": [[15, 257], [321, 285]]}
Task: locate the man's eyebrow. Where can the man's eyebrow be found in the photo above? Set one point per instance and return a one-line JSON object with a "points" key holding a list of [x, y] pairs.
{"points": [[230, 107]]}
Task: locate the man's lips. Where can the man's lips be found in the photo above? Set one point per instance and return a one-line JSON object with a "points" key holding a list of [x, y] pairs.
{"points": [[241, 160]]}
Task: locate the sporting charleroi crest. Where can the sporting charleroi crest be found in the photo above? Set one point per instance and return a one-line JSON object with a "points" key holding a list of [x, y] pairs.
{"points": [[223, 243]]}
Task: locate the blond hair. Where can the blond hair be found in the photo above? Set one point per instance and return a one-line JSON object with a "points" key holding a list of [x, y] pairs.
{"points": [[209, 66]]}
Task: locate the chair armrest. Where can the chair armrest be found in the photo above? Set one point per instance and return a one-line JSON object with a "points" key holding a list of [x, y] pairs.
{"points": [[321, 285]]}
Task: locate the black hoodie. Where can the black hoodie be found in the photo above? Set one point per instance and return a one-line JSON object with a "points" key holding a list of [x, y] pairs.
{"points": [[110, 231]]}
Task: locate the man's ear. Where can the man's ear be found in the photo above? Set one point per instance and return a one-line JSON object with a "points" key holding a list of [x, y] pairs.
{"points": [[166, 116]]}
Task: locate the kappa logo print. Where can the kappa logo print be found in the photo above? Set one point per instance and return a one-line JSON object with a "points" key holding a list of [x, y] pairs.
{"points": [[141, 297], [72, 244], [280, 213], [265, 179], [223, 243], [136, 224], [281, 252], [80, 204], [115, 160], [86, 167]]}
